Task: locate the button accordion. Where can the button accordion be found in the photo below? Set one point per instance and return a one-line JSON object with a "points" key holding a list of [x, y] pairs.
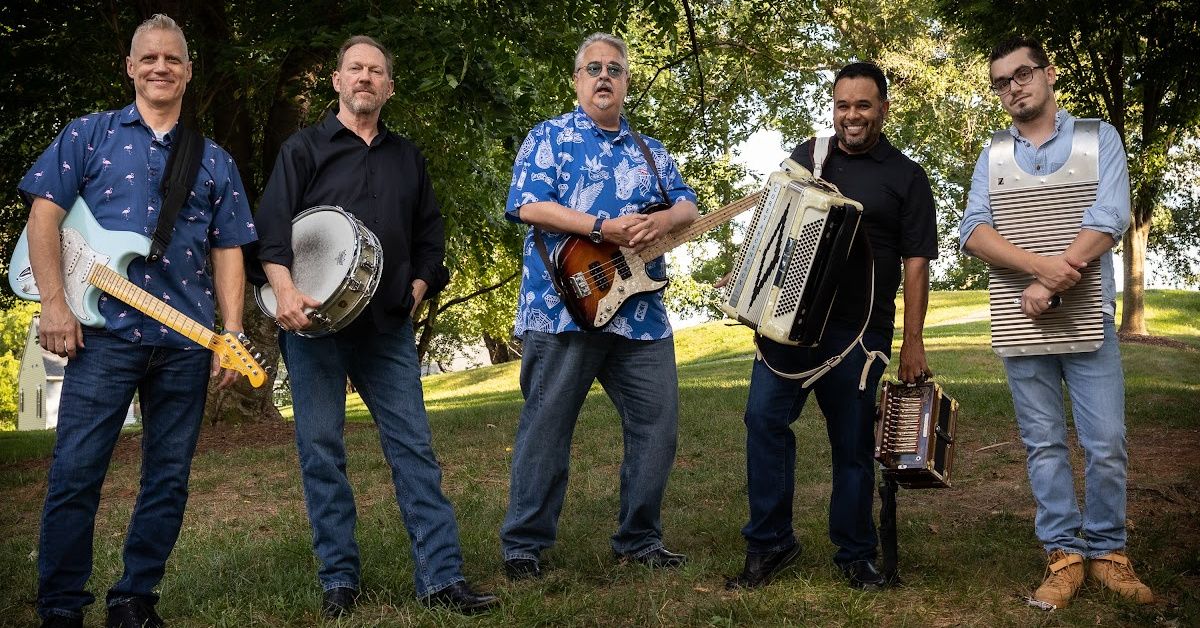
{"points": [[1043, 214], [787, 270], [914, 434]]}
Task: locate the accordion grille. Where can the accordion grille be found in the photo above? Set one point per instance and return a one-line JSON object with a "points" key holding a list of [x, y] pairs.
{"points": [[801, 261], [1044, 219]]}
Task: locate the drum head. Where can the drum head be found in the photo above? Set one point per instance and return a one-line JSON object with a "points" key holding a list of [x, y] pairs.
{"points": [[324, 247]]}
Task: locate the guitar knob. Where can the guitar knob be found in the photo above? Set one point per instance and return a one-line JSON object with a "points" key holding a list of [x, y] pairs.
{"points": [[621, 289]]}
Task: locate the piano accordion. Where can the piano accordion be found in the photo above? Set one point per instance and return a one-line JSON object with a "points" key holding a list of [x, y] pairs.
{"points": [[1043, 214], [914, 434], [788, 267]]}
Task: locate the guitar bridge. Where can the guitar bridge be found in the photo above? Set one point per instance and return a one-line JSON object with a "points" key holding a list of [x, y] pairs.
{"points": [[580, 285]]}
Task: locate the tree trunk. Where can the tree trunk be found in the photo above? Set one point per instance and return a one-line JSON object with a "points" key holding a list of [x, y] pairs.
{"points": [[1133, 260], [500, 350]]}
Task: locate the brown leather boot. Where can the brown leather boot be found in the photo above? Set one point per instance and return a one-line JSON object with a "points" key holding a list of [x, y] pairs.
{"points": [[1064, 576], [1114, 571]]}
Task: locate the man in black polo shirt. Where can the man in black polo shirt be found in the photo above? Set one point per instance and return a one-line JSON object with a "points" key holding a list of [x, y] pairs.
{"points": [[351, 160], [900, 224]]}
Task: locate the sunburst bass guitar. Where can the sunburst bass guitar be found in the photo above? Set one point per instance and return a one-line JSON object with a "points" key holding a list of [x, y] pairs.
{"points": [[598, 278], [96, 260]]}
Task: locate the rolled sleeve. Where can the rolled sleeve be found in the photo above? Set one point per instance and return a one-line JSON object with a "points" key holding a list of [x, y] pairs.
{"points": [[57, 175], [232, 223], [1110, 213], [979, 206]]}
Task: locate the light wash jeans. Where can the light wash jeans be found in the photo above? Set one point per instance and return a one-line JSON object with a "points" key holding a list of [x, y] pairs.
{"points": [[556, 372], [382, 365], [1096, 386]]}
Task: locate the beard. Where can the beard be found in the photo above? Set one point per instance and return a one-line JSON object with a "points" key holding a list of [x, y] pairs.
{"points": [[1027, 113], [360, 103], [861, 142]]}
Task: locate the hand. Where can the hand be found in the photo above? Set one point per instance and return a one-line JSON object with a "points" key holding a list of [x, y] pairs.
{"points": [[619, 230], [648, 231], [419, 288], [913, 367], [226, 378], [1035, 300], [292, 307], [59, 331], [1057, 272], [723, 281]]}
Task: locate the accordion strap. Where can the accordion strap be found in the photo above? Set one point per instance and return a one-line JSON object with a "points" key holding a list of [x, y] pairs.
{"points": [[820, 154], [811, 376]]}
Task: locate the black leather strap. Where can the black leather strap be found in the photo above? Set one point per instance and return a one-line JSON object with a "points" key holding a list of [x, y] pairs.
{"points": [[541, 248], [182, 166], [649, 157]]}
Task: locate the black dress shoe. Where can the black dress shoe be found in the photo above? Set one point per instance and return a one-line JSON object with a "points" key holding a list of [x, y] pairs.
{"points": [[338, 601], [61, 621], [655, 559], [522, 569], [133, 613], [459, 597], [862, 574], [760, 569]]}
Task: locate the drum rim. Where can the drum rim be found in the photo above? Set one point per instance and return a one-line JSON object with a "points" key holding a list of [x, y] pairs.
{"points": [[369, 288]]}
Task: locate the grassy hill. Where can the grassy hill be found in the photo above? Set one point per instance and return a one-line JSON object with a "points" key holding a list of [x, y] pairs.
{"points": [[966, 553]]}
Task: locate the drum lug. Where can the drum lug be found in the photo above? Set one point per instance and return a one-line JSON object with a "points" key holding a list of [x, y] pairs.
{"points": [[354, 285], [320, 318], [367, 264]]}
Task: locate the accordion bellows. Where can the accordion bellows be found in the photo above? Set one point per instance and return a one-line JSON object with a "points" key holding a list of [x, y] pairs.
{"points": [[787, 270], [914, 434]]}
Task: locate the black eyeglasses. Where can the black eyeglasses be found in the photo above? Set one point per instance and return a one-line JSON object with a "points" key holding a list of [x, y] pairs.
{"points": [[615, 70], [1022, 76]]}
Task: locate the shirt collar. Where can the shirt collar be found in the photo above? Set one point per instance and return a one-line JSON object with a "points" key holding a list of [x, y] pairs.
{"points": [[879, 152], [585, 121], [1060, 117], [130, 116], [330, 127]]}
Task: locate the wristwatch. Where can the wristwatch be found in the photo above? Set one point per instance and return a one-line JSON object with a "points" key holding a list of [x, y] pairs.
{"points": [[595, 235]]}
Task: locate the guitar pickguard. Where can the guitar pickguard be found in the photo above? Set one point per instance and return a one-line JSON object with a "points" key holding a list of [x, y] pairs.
{"points": [[78, 259]]}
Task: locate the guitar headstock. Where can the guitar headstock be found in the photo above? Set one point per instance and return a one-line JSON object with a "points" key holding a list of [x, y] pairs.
{"points": [[238, 353]]}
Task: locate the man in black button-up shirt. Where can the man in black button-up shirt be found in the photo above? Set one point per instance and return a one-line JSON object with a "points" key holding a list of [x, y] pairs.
{"points": [[351, 160], [899, 221]]}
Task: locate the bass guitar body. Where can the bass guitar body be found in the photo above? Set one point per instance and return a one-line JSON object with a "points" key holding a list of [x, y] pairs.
{"points": [[599, 278]]}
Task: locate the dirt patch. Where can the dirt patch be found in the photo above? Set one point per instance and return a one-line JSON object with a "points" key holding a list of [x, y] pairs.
{"points": [[1157, 341]]}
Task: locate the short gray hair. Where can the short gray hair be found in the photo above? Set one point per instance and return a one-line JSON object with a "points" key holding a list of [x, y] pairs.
{"points": [[162, 22], [602, 38], [370, 41]]}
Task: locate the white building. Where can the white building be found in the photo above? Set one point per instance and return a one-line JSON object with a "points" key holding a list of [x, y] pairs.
{"points": [[40, 385]]}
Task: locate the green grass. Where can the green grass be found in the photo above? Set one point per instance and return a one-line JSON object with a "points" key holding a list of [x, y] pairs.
{"points": [[967, 553]]}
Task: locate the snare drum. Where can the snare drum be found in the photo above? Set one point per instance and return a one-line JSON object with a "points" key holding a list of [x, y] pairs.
{"points": [[335, 260]]}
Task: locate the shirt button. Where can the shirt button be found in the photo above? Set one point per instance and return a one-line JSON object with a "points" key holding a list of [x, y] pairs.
{"points": [[374, 196]]}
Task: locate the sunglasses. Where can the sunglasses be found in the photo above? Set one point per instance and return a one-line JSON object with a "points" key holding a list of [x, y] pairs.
{"points": [[615, 70]]}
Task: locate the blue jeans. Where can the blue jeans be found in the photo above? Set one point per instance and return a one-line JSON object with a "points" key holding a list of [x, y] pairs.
{"points": [[556, 372], [98, 386], [382, 365], [774, 403], [1096, 386]]}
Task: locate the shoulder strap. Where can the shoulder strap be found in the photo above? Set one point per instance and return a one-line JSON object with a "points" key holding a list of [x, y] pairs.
{"points": [[646, 154], [820, 154], [182, 166], [541, 248]]}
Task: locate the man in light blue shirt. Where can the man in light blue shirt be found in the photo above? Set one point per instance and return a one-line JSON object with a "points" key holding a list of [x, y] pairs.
{"points": [[584, 174], [1023, 78]]}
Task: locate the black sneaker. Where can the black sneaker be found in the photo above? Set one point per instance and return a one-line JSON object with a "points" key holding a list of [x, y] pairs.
{"points": [[861, 574], [760, 569], [659, 558], [459, 597], [522, 569], [62, 621], [338, 601], [133, 613]]}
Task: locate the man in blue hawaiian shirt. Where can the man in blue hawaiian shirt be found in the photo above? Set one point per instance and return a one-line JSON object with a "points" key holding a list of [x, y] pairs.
{"points": [[115, 161], [583, 174]]}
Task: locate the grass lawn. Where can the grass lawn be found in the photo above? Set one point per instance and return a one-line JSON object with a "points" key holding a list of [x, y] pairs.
{"points": [[966, 554]]}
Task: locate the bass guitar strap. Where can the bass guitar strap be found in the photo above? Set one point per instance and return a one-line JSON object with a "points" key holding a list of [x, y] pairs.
{"points": [[182, 166]]}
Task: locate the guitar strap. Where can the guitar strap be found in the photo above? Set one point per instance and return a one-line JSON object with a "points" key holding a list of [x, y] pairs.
{"points": [[637, 137], [182, 166], [541, 248]]}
